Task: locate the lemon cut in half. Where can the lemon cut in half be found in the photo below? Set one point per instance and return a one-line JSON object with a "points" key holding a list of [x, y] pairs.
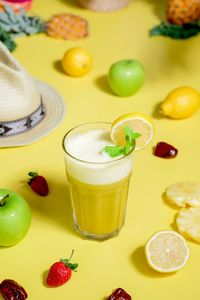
{"points": [[138, 123], [166, 251]]}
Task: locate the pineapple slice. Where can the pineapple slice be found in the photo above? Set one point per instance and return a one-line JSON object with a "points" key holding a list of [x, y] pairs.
{"points": [[188, 223], [184, 193]]}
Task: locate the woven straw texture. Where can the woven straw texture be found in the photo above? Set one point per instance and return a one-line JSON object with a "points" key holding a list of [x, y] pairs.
{"points": [[20, 96], [104, 5]]}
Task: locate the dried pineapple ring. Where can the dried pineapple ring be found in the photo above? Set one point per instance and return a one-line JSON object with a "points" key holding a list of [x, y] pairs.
{"points": [[184, 193], [188, 223]]}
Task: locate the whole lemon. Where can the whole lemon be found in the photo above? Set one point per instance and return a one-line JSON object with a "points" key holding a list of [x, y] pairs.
{"points": [[77, 62], [180, 103]]}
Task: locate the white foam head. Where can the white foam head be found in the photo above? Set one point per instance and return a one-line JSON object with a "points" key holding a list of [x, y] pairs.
{"points": [[87, 162]]}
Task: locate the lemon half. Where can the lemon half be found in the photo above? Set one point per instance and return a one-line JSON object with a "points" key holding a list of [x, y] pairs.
{"points": [[167, 251], [138, 123]]}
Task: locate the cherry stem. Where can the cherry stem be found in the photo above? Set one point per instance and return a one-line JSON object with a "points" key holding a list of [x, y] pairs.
{"points": [[3, 199]]}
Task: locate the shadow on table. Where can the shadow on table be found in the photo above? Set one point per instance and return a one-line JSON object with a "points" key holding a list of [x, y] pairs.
{"points": [[102, 83], [72, 3], [156, 111], [55, 208], [58, 66], [159, 7], [139, 260]]}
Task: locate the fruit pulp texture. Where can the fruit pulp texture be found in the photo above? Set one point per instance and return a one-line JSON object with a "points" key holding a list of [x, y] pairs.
{"points": [[99, 209]]}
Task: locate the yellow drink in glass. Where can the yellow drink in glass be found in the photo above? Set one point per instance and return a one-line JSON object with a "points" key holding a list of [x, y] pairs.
{"points": [[98, 183]]}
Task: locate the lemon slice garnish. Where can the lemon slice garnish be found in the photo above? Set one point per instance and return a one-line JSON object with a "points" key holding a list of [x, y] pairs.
{"points": [[138, 123]]}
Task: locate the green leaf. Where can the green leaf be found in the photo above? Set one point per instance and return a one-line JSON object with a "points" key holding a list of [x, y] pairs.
{"points": [[130, 138], [136, 135], [7, 40], [176, 31], [113, 151], [127, 149], [66, 261], [10, 13], [4, 18], [20, 23], [72, 266]]}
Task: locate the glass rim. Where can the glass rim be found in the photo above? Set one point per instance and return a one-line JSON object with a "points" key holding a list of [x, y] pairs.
{"points": [[85, 161]]}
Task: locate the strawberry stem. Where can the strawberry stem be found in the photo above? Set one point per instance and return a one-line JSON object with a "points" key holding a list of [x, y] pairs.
{"points": [[71, 255], [3, 199], [33, 174], [68, 264]]}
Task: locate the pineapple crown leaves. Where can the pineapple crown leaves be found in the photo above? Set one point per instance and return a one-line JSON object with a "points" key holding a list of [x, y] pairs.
{"points": [[19, 23], [68, 264], [7, 40], [173, 31]]}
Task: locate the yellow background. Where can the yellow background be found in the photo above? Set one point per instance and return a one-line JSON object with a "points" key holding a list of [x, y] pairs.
{"points": [[119, 262]]}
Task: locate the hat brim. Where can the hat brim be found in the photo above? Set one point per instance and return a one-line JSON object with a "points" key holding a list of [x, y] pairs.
{"points": [[55, 109]]}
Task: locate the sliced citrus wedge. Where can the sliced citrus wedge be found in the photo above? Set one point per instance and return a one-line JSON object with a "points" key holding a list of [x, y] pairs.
{"points": [[188, 223], [166, 251], [184, 193], [138, 123]]}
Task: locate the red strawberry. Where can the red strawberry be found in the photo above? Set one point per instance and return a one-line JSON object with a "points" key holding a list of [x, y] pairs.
{"points": [[119, 294], [38, 184], [60, 272]]}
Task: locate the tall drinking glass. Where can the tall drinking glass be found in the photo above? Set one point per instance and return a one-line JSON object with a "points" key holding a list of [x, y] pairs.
{"points": [[98, 183]]}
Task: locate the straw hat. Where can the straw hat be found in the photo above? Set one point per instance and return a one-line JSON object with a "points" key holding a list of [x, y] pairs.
{"points": [[104, 5], [29, 108]]}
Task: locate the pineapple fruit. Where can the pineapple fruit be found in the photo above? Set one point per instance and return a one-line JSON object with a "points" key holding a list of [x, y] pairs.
{"points": [[67, 26], [184, 194], [187, 196], [17, 24], [181, 12], [13, 24], [183, 20], [188, 223]]}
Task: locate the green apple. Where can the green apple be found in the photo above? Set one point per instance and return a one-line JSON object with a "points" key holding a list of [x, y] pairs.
{"points": [[15, 217], [126, 77]]}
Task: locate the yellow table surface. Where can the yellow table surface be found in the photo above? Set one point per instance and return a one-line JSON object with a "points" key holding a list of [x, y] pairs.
{"points": [[118, 262]]}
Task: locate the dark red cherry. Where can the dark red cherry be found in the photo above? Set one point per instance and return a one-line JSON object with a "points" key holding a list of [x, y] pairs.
{"points": [[165, 150], [11, 290], [119, 294]]}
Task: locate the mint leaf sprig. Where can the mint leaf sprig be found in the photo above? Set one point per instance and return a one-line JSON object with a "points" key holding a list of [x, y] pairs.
{"points": [[130, 137]]}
